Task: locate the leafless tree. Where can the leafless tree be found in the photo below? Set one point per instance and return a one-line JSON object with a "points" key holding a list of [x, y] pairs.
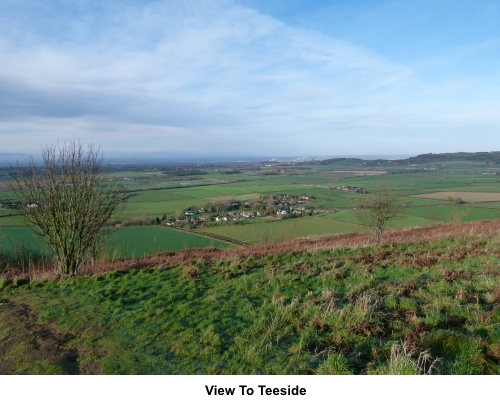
{"points": [[378, 210], [456, 216], [67, 199]]}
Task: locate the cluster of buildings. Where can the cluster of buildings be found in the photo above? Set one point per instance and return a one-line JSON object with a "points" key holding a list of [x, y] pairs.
{"points": [[234, 216], [352, 189]]}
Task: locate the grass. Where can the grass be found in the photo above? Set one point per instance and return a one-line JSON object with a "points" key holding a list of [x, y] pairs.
{"points": [[148, 240], [9, 218], [406, 221], [11, 238], [282, 230], [159, 207], [121, 243], [448, 213], [465, 196], [427, 307]]}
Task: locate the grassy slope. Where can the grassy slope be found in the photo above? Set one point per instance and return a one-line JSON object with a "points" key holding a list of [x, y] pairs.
{"points": [[345, 310]]}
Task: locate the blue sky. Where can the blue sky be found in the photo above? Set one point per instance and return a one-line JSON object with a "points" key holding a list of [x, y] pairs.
{"points": [[251, 77]]}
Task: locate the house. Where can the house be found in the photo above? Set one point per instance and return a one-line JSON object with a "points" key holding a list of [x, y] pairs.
{"points": [[191, 213], [281, 212], [246, 214]]}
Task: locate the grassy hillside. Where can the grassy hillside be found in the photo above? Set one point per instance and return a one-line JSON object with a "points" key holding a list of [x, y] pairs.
{"points": [[425, 300]]}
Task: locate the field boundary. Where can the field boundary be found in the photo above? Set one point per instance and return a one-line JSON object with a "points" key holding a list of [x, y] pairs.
{"points": [[221, 238]]}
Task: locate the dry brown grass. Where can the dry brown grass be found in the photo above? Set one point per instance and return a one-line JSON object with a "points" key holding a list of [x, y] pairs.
{"points": [[485, 229], [496, 298]]}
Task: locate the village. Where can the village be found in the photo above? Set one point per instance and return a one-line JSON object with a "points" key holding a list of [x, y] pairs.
{"points": [[279, 206]]}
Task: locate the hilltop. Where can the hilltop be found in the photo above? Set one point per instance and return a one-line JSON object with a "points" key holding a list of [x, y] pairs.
{"points": [[483, 157], [424, 300], [492, 158]]}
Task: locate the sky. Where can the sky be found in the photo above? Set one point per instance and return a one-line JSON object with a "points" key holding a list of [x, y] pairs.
{"points": [[200, 78]]}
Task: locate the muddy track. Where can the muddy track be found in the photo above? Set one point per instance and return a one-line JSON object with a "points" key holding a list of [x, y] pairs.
{"points": [[27, 347]]}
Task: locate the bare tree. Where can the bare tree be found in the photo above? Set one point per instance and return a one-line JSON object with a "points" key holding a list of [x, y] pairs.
{"points": [[377, 210], [456, 216], [67, 199]]}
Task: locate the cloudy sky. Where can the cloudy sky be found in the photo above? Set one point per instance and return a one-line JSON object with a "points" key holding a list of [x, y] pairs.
{"points": [[251, 77]]}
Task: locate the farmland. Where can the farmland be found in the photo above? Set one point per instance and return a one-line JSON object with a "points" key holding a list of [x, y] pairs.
{"points": [[282, 230], [200, 275], [463, 195], [148, 240], [120, 243], [157, 198]]}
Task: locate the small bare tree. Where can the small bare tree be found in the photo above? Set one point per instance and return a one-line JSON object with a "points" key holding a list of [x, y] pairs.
{"points": [[378, 210], [456, 216], [66, 199]]}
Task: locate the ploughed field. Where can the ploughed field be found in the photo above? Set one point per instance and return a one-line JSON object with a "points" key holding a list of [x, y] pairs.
{"points": [[423, 301]]}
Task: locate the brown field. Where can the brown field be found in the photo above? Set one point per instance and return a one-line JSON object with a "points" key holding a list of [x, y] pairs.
{"points": [[464, 195]]}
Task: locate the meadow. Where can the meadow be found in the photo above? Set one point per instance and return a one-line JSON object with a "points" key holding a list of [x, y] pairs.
{"points": [[465, 196], [20, 245], [283, 230], [143, 241]]}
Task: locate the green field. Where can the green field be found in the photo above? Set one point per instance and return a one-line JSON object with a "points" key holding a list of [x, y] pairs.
{"points": [[9, 218], [121, 243], [413, 202], [147, 240], [282, 230], [12, 237], [406, 221], [158, 207], [447, 214]]}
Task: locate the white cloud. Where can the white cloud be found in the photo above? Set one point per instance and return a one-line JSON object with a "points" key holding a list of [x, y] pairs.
{"points": [[203, 78]]}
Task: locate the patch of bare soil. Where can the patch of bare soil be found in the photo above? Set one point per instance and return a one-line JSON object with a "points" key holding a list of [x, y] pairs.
{"points": [[24, 342]]}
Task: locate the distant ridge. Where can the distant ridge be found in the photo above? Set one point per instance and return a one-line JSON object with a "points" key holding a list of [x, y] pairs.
{"points": [[155, 159], [487, 157], [6, 158]]}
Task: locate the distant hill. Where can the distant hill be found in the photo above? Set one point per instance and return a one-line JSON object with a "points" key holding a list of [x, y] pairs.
{"points": [[6, 158], [486, 157], [478, 157]]}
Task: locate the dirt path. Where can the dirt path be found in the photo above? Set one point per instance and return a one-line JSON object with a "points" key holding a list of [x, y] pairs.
{"points": [[27, 347]]}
